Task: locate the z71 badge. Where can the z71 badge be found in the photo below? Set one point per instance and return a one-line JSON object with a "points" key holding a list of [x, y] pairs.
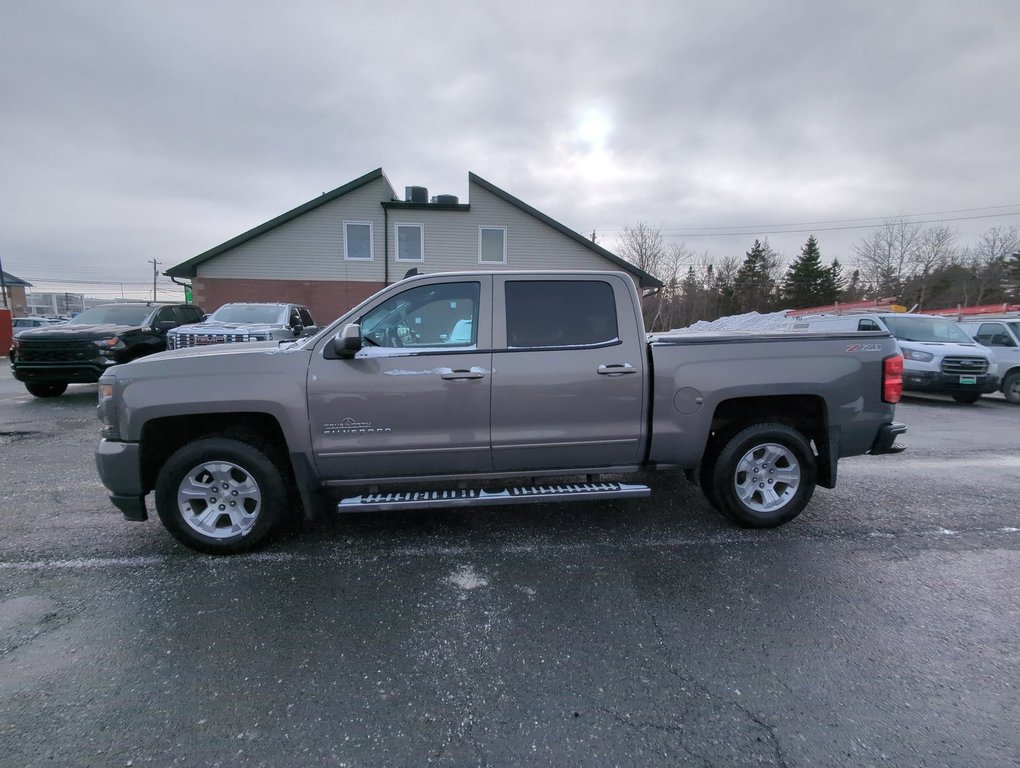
{"points": [[864, 348]]}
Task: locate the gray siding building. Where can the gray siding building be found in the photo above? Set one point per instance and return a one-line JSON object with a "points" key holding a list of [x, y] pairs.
{"points": [[341, 247]]}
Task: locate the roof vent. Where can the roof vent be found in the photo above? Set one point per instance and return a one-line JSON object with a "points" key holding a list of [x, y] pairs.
{"points": [[416, 195], [445, 200]]}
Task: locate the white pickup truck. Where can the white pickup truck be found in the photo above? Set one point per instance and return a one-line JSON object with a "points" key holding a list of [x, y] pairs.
{"points": [[480, 388]]}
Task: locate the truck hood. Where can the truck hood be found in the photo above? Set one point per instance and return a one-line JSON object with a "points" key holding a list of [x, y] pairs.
{"points": [[219, 361], [215, 328], [946, 348], [67, 332]]}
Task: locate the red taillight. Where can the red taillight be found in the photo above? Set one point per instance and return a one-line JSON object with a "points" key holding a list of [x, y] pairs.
{"points": [[892, 379]]}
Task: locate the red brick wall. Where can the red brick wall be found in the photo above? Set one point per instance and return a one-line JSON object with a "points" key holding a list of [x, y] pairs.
{"points": [[327, 299], [6, 331]]}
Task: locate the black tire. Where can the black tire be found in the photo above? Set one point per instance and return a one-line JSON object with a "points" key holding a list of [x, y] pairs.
{"points": [[788, 473], [219, 523], [47, 389], [705, 473], [1011, 387], [966, 397]]}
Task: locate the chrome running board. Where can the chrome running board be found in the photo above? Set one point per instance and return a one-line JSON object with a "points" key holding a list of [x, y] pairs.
{"points": [[537, 494]]}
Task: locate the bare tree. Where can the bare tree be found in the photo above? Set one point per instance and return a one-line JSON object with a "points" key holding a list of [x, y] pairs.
{"points": [[674, 263], [643, 247], [887, 256], [992, 253], [935, 250]]}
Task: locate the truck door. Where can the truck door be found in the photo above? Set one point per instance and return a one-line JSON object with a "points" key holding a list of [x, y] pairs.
{"points": [[415, 399], [569, 373]]}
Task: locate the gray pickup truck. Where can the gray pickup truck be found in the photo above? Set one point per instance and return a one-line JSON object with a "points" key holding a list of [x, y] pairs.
{"points": [[473, 389]]}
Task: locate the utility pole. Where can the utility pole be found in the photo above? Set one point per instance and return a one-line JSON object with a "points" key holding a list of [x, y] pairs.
{"points": [[154, 273], [3, 284]]}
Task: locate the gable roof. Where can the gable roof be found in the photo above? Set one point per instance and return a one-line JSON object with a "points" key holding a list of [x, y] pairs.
{"points": [[10, 280], [189, 268], [645, 280]]}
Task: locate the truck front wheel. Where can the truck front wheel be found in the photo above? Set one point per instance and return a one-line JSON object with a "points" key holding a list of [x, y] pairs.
{"points": [[966, 397], [1011, 387], [764, 476], [47, 389], [220, 495]]}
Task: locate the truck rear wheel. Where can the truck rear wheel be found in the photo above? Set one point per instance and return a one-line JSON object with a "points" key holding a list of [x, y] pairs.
{"points": [[764, 476], [220, 495], [1011, 387], [47, 389]]}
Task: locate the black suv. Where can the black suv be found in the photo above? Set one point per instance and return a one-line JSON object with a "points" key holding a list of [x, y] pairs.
{"points": [[48, 359]]}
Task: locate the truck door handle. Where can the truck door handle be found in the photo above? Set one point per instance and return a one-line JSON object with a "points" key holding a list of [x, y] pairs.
{"points": [[616, 369], [459, 375]]}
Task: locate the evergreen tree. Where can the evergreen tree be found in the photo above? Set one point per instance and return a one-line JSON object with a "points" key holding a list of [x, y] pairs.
{"points": [[755, 283], [1014, 274], [808, 282], [832, 285], [854, 290]]}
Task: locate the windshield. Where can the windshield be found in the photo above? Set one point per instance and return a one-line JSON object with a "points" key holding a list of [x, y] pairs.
{"points": [[249, 313], [115, 314], [935, 329]]}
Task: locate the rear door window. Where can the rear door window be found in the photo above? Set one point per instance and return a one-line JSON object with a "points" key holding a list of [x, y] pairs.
{"points": [[560, 313]]}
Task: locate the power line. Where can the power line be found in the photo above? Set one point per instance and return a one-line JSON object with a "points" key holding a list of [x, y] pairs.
{"points": [[781, 229], [72, 281], [876, 218]]}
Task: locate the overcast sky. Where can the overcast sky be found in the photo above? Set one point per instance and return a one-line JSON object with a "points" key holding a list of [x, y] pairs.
{"points": [[133, 131]]}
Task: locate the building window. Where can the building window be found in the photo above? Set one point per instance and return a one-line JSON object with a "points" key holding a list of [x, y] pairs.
{"points": [[492, 245], [410, 242], [358, 240]]}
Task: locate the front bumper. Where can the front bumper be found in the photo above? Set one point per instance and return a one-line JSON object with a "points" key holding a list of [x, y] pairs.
{"points": [[944, 383], [885, 441], [85, 373], [120, 469]]}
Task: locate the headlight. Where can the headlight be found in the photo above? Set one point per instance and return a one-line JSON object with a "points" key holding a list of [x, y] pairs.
{"points": [[921, 357], [106, 410], [110, 342]]}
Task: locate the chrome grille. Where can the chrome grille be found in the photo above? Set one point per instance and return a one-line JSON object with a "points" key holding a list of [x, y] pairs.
{"points": [[957, 365], [180, 340]]}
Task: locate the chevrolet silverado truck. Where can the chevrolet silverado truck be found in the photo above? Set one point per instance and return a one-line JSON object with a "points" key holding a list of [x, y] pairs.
{"points": [[48, 358], [484, 388], [239, 323]]}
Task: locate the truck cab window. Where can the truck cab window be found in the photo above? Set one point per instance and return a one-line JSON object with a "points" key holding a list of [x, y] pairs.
{"points": [[443, 315], [560, 313]]}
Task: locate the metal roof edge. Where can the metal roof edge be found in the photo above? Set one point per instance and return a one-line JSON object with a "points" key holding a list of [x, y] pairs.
{"points": [[645, 280], [187, 268]]}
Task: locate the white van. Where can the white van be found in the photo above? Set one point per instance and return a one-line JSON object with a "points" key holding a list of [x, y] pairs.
{"points": [[1001, 336], [938, 356]]}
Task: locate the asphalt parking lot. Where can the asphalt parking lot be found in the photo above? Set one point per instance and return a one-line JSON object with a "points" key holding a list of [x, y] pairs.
{"points": [[879, 628]]}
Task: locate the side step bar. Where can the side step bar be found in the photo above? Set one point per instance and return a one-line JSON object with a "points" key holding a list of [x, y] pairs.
{"points": [[537, 494]]}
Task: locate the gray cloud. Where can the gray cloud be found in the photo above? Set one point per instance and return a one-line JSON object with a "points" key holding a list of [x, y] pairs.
{"points": [[138, 131]]}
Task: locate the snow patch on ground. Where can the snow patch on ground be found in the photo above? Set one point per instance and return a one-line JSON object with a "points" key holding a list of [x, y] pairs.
{"points": [[467, 578]]}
